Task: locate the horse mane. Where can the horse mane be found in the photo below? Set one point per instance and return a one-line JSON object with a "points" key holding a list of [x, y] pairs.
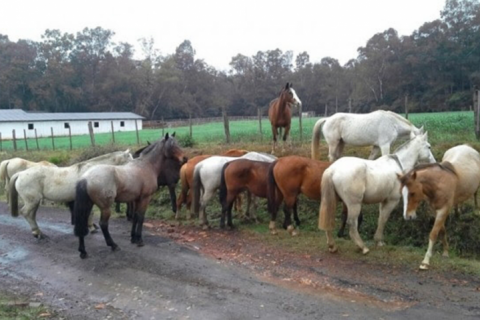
{"points": [[445, 165], [96, 159], [397, 116]]}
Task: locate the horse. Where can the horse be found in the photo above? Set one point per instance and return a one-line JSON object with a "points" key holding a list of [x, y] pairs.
{"points": [[287, 178], [238, 176], [11, 166], [134, 182], [443, 185], [378, 128], [53, 183], [280, 114], [186, 178], [207, 176], [355, 181]]}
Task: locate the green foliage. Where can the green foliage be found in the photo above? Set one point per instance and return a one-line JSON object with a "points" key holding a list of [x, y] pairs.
{"points": [[15, 308], [186, 141]]}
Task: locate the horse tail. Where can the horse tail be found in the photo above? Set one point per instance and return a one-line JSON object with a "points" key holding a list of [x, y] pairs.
{"points": [[223, 186], [271, 189], [81, 210], [182, 198], [328, 204], [3, 170], [13, 194], [316, 135], [197, 185]]}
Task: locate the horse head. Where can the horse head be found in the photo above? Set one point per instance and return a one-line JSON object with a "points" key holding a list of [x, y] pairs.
{"points": [[425, 154], [412, 193], [290, 96], [171, 149]]}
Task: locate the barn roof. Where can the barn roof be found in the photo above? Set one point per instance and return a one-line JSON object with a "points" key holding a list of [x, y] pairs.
{"points": [[17, 115]]}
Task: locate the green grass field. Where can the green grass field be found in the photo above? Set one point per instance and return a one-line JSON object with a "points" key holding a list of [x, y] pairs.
{"points": [[446, 127]]}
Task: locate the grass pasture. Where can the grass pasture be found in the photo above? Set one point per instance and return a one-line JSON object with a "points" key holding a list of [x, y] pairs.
{"points": [[407, 240]]}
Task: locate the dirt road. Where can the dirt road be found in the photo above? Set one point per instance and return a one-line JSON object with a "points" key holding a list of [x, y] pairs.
{"points": [[170, 280]]}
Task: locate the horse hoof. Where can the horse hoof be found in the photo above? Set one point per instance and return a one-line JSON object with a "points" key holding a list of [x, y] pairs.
{"points": [[365, 250], [205, 227], [380, 244], [445, 255], [295, 233], [332, 249], [273, 232], [83, 255], [423, 266], [133, 240], [115, 248], [140, 243]]}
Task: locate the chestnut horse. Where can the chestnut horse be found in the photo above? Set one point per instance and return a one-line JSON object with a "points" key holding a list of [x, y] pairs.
{"points": [[238, 176], [280, 114], [287, 178], [136, 181], [186, 178], [443, 185]]}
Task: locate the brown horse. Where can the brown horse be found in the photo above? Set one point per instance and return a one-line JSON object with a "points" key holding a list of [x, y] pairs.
{"points": [[238, 176], [280, 114], [186, 178], [290, 176], [136, 181], [443, 185]]}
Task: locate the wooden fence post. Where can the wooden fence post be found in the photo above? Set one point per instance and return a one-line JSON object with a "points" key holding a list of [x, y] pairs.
{"points": [[70, 136], [90, 130], [259, 113], [406, 106], [113, 132], [163, 128], [476, 106], [136, 130], [53, 139], [25, 139], [1, 142], [190, 124], [349, 105], [300, 123], [14, 140], [226, 126], [36, 139]]}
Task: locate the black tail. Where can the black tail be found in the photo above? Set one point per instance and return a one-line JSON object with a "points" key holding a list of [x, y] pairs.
{"points": [[197, 187], [223, 188], [271, 190], [83, 207]]}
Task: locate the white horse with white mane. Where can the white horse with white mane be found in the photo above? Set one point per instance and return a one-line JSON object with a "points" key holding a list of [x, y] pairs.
{"points": [[207, 177], [11, 166], [355, 181], [53, 183], [378, 128]]}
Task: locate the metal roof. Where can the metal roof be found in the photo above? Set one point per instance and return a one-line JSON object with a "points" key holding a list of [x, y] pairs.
{"points": [[16, 115]]}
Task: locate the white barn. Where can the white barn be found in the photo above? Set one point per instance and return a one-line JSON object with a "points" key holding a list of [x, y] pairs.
{"points": [[19, 120]]}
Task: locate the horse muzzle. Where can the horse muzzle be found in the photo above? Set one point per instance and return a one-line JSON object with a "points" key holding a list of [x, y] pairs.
{"points": [[412, 215]]}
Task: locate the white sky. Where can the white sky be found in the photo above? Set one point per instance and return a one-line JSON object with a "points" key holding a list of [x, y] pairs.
{"points": [[220, 29]]}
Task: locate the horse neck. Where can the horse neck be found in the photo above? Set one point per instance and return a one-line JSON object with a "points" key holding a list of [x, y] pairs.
{"points": [[155, 159], [282, 104], [408, 157]]}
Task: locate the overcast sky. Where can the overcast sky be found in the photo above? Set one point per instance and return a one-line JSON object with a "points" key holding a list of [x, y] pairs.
{"points": [[220, 29]]}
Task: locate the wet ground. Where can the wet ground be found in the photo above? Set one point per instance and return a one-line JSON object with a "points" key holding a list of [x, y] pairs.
{"points": [[187, 273]]}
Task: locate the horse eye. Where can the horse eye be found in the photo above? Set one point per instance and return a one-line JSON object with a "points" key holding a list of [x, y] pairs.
{"points": [[411, 194]]}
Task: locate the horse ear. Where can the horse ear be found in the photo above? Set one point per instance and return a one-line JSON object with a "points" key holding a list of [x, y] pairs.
{"points": [[148, 143], [399, 176], [414, 175], [173, 134], [425, 135], [422, 130], [127, 151], [166, 136], [286, 86]]}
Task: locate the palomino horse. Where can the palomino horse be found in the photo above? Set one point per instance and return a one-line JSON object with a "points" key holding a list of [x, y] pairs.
{"points": [[186, 178], [53, 183], [238, 176], [134, 182], [287, 178], [355, 181], [207, 176], [11, 166], [443, 185], [280, 114], [378, 128]]}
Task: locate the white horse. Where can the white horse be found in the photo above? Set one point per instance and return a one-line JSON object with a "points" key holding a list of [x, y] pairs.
{"points": [[11, 166], [207, 177], [378, 128], [355, 181], [53, 183]]}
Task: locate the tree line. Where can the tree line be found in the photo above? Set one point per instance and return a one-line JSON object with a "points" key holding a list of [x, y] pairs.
{"points": [[436, 68]]}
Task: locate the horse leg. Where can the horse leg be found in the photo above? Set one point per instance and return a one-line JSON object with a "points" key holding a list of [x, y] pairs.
{"points": [[353, 213], [290, 201], [207, 195], [335, 149], [437, 227], [341, 231], [274, 133], [29, 211], [81, 247], [386, 208], [332, 247], [104, 217], [92, 227], [273, 213], [229, 215], [285, 136], [444, 242], [227, 206], [130, 210], [385, 149], [173, 196], [374, 152]]}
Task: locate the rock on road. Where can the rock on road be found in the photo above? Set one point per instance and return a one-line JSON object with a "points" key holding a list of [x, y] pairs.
{"points": [[163, 280]]}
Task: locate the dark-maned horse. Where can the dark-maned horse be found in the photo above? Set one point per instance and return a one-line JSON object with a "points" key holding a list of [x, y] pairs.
{"points": [[287, 178], [135, 181], [443, 185], [238, 176], [280, 114], [186, 178]]}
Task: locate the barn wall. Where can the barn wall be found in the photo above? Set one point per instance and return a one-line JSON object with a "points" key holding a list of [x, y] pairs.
{"points": [[78, 127]]}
